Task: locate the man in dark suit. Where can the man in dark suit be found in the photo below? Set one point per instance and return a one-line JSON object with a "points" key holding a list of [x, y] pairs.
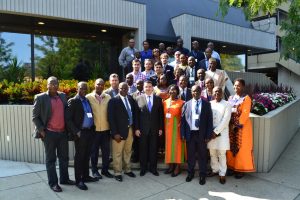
{"points": [[80, 122], [196, 53], [185, 92], [48, 116], [196, 129], [191, 71], [149, 125], [180, 47], [121, 116], [204, 64]]}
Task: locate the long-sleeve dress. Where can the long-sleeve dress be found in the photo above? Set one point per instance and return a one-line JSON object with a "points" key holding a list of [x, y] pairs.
{"points": [[240, 156], [175, 147]]}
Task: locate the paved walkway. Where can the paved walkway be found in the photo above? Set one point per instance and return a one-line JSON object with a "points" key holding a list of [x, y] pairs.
{"points": [[29, 181]]}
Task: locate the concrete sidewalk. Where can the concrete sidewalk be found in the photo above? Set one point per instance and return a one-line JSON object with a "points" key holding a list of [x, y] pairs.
{"points": [[29, 181]]}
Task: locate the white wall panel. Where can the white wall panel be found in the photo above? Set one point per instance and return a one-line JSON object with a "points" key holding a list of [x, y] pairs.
{"points": [[188, 26]]}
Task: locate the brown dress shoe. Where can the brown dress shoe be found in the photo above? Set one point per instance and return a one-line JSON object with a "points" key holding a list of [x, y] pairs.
{"points": [[222, 179]]}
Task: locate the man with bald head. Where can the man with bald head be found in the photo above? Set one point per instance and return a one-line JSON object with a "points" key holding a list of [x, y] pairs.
{"points": [[80, 122], [121, 115], [48, 116], [99, 103]]}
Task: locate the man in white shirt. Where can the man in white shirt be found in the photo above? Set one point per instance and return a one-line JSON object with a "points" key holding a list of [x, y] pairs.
{"points": [[220, 143], [219, 76]]}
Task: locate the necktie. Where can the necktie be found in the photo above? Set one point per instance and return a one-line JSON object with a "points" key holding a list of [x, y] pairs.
{"points": [[197, 112], [128, 111], [149, 104]]}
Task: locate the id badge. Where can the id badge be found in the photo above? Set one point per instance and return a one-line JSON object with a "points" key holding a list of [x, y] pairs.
{"points": [[195, 116], [196, 60], [233, 110], [89, 115], [168, 115], [192, 79], [132, 55]]}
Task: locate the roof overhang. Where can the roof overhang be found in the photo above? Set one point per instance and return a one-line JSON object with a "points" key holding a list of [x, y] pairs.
{"points": [[104, 13], [189, 26]]}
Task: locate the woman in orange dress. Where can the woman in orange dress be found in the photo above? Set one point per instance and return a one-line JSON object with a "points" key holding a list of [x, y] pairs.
{"points": [[240, 157], [175, 147]]}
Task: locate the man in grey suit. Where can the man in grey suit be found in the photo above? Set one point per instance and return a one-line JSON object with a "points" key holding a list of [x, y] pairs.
{"points": [[149, 125], [196, 129], [114, 85], [48, 116]]}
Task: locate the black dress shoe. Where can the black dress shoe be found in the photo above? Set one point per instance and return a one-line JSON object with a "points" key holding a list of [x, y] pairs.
{"points": [[107, 174], [68, 182], [155, 173], [229, 172], [239, 175], [56, 188], [81, 185], [130, 174], [119, 178], [189, 178], [97, 175], [222, 179], [142, 172], [202, 180], [90, 179]]}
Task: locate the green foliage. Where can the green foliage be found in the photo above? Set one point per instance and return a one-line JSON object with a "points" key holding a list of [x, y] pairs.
{"points": [[13, 72], [23, 93], [251, 8], [61, 55], [231, 62], [5, 51], [291, 26]]}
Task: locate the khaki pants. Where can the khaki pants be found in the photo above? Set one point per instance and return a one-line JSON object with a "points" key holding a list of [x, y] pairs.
{"points": [[122, 153]]}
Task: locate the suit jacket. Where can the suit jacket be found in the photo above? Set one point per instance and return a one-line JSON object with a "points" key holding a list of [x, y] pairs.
{"points": [[41, 112], [169, 72], [75, 114], [146, 120], [205, 118], [203, 65], [188, 96], [198, 55], [118, 117], [109, 91]]}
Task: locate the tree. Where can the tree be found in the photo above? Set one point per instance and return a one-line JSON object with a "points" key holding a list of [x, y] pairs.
{"points": [[13, 72], [5, 51], [251, 8], [47, 65], [231, 62], [291, 26]]}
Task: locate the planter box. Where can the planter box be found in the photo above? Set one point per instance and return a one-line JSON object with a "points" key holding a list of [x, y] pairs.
{"points": [[272, 132], [16, 141]]}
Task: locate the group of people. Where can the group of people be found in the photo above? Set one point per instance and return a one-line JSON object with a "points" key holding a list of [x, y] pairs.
{"points": [[180, 109]]}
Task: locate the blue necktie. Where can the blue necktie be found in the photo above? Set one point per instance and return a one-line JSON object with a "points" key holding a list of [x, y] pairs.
{"points": [[128, 111], [149, 104], [197, 112]]}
